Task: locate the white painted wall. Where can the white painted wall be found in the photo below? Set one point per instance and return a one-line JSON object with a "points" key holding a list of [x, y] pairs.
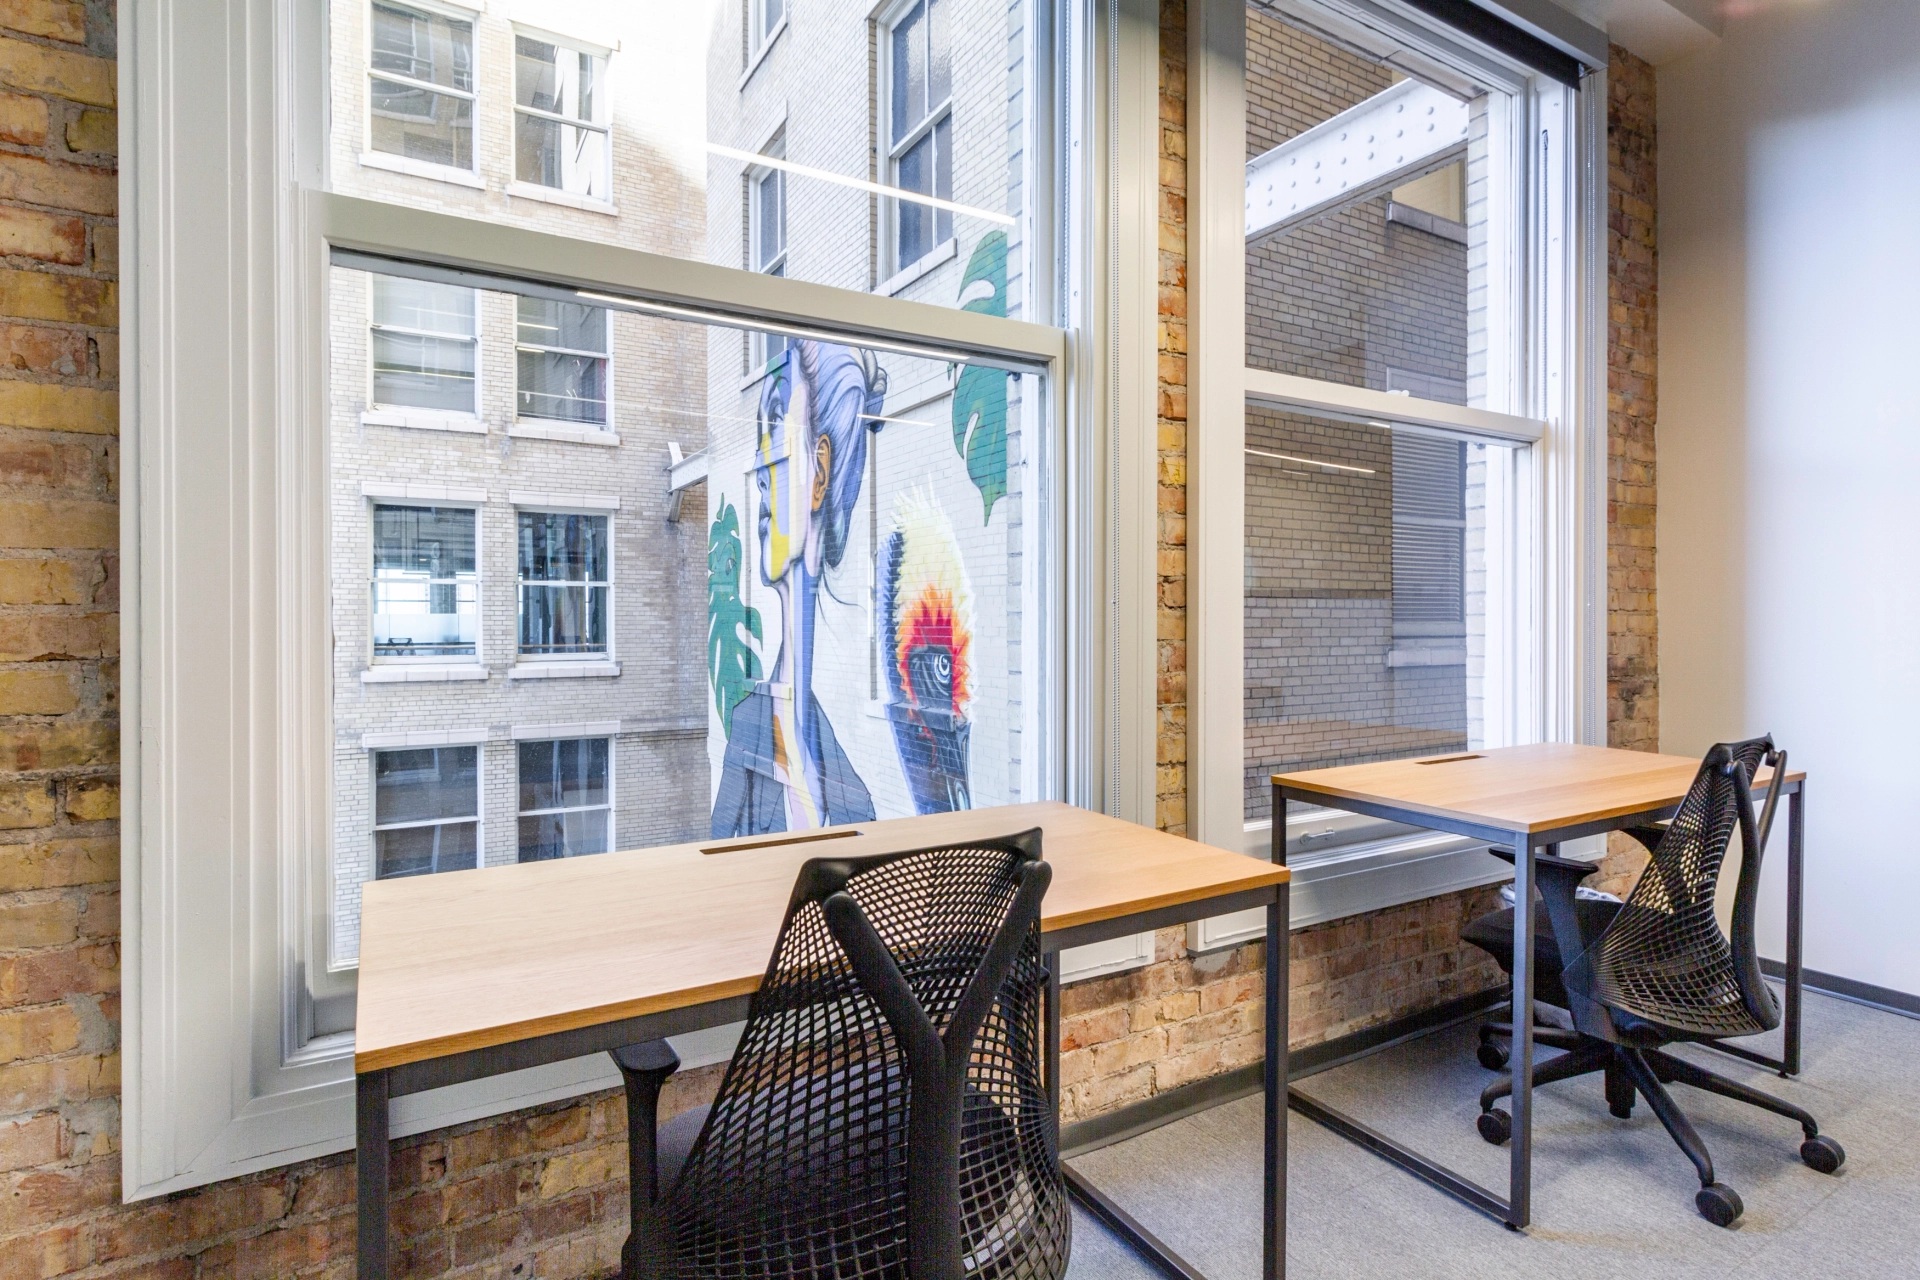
{"points": [[1789, 442]]}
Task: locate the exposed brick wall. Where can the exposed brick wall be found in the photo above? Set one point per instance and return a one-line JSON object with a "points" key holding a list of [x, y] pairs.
{"points": [[1633, 678], [1170, 696]]}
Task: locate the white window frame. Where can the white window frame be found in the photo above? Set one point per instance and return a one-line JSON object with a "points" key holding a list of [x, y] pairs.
{"points": [[1553, 646], [378, 414], [478, 657], [516, 185], [760, 36], [536, 427], [225, 620], [479, 819], [899, 274], [613, 756], [605, 653], [372, 159], [758, 353]]}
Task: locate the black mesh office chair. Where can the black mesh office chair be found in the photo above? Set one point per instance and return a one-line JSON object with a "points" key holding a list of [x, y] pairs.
{"points": [[1656, 970], [884, 1114]]}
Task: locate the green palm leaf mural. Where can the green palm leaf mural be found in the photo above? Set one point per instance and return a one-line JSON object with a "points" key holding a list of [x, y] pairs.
{"points": [[980, 395], [732, 664]]}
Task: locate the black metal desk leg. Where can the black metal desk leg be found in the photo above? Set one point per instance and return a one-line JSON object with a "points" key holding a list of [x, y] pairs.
{"points": [[1520, 1189], [1274, 1243], [370, 1155], [1053, 1039], [1796, 835]]}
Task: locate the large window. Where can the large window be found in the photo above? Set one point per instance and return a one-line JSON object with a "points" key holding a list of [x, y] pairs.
{"points": [[421, 85], [561, 115], [560, 361], [920, 137], [426, 811], [767, 238], [425, 345], [566, 798], [565, 581], [426, 583]]}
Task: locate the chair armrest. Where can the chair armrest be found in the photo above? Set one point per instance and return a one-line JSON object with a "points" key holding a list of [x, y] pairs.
{"points": [[1558, 880]]}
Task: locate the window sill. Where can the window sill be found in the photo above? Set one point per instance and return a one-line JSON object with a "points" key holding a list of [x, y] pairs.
{"points": [[1424, 656], [938, 256], [759, 55], [553, 195], [424, 420], [563, 670], [422, 673], [569, 434], [422, 169]]}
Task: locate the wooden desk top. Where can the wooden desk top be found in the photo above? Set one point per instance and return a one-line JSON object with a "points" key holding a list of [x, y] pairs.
{"points": [[1519, 789], [470, 959]]}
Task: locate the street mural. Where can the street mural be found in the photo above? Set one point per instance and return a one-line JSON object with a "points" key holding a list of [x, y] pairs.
{"points": [[927, 628], [852, 664]]}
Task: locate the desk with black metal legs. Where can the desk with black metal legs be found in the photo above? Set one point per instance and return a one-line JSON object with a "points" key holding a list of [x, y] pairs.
{"points": [[473, 973], [1527, 799]]}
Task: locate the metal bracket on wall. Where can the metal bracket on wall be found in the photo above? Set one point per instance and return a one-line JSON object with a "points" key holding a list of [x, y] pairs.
{"points": [[682, 471]]}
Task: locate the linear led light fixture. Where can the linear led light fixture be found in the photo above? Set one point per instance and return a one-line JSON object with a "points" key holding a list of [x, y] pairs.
{"points": [[672, 312], [1311, 462], [860, 184]]}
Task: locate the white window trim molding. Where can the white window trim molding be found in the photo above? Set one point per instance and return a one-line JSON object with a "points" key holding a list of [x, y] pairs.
{"points": [[1562, 394], [423, 169], [542, 501], [422, 673], [423, 420], [761, 49], [542, 429], [422, 491], [553, 195], [557, 732], [563, 669], [400, 739], [227, 755]]}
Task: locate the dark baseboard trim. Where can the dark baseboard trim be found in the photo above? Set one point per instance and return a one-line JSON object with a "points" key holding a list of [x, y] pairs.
{"points": [[1131, 1121], [1829, 984]]}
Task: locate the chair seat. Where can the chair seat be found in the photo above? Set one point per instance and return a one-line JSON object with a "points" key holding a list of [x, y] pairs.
{"points": [[1493, 934]]}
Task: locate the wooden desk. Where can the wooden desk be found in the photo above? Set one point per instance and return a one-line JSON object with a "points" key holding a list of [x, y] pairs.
{"points": [[1527, 799], [472, 973]]}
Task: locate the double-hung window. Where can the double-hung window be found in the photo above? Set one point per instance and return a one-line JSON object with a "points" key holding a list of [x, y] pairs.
{"points": [[920, 123], [426, 811], [425, 342], [426, 583], [562, 114], [566, 798], [565, 583], [420, 86], [561, 362], [767, 237], [764, 18]]}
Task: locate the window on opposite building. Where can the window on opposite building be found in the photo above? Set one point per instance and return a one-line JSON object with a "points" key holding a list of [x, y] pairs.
{"points": [[426, 339], [566, 798], [565, 582], [920, 137], [763, 23], [426, 583], [426, 811], [767, 238], [561, 113], [561, 360], [420, 85]]}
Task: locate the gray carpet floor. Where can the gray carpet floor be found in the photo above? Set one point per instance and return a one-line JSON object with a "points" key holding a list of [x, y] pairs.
{"points": [[1611, 1198]]}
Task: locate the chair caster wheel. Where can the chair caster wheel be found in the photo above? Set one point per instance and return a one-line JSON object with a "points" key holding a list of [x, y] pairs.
{"points": [[1719, 1204], [1494, 1057], [1495, 1126], [1823, 1154]]}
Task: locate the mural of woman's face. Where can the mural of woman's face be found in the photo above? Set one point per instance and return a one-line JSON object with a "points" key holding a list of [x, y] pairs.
{"points": [[783, 474]]}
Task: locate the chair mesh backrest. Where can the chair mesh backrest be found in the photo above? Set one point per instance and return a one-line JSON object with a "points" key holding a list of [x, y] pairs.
{"points": [[1664, 956], [801, 1169]]}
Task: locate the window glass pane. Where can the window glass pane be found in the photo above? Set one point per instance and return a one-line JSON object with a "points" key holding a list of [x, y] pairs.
{"points": [[894, 633], [562, 385], [418, 45], [413, 371], [423, 306], [426, 785], [563, 775], [556, 547], [1385, 285], [572, 833], [1367, 593], [426, 591], [662, 135]]}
